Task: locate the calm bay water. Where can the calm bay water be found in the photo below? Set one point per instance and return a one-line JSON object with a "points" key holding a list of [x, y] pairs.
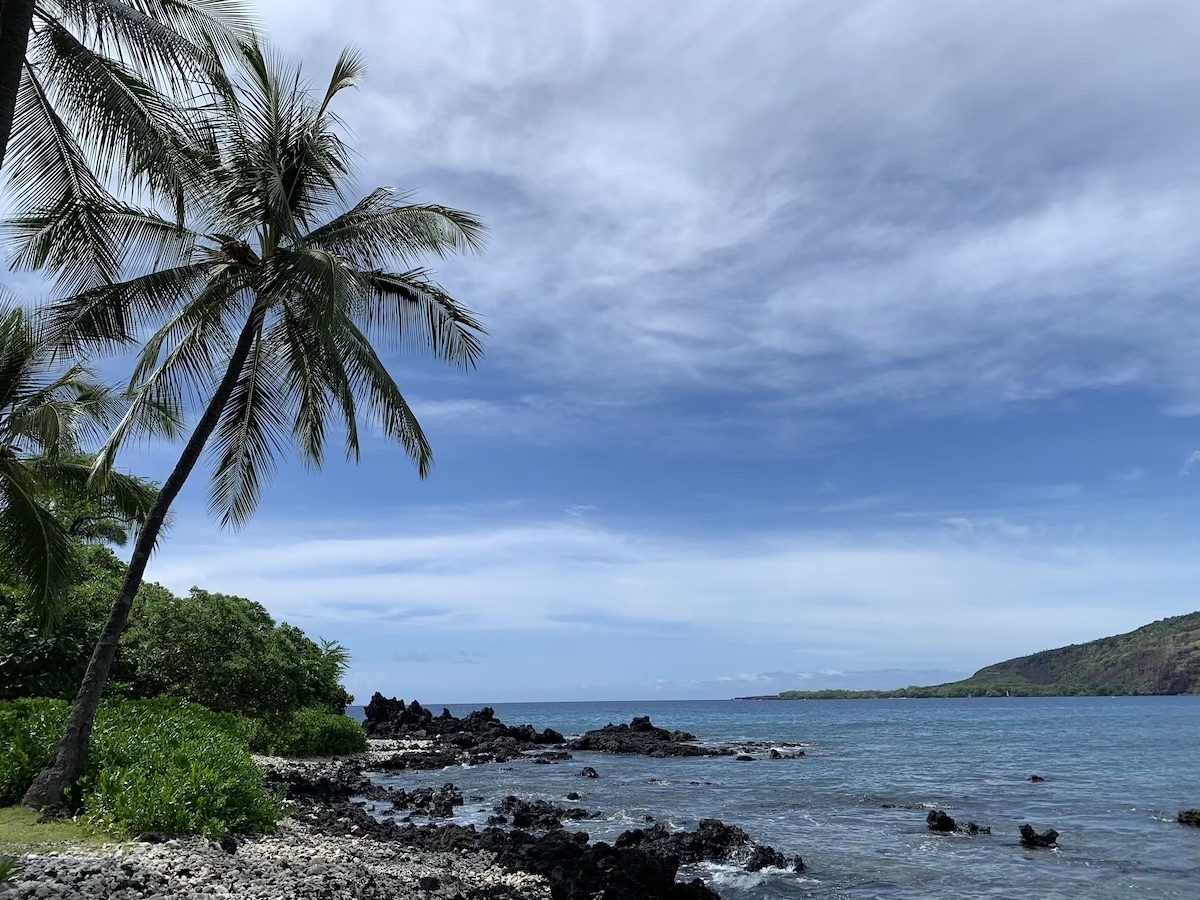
{"points": [[1118, 770]]}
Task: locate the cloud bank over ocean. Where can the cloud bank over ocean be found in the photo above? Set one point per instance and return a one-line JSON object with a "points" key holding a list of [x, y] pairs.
{"points": [[852, 338]]}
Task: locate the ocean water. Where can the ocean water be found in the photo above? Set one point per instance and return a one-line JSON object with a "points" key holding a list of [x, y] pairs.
{"points": [[1117, 769]]}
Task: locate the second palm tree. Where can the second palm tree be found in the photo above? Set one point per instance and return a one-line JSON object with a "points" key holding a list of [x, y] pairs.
{"points": [[270, 315]]}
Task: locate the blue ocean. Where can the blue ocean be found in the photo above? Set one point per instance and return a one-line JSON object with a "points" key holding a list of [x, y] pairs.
{"points": [[1117, 770]]}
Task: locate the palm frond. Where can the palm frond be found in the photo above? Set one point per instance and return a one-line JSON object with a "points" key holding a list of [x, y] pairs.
{"points": [[281, 148], [347, 71], [386, 406], [413, 311], [314, 378], [124, 498], [251, 432], [71, 410], [179, 43], [36, 553], [124, 124], [114, 315], [21, 361], [198, 341], [50, 175], [384, 227]]}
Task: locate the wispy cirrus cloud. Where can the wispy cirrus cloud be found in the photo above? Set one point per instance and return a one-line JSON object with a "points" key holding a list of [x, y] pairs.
{"points": [[954, 597], [870, 207]]}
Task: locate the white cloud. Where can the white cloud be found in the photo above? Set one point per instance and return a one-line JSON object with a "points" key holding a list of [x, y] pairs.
{"points": [[987, 525], [864, 204], [902, 596], [1130, 476]]}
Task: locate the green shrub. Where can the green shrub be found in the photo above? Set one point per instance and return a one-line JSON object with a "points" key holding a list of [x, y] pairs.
{"points": [[29, 732], [9, 869], [308, 732], [222, 651], [158, 765], [167, 765]]}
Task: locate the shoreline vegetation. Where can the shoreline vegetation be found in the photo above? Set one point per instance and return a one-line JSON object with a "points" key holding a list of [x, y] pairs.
{"points": [[1159, 659], [346, 835], [326, 843]]}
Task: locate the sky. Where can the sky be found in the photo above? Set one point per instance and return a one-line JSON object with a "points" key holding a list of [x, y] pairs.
{"points": [[831, 345]]}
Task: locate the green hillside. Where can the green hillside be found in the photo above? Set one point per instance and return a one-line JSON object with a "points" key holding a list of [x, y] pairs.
{"points": [[1160, 658]]}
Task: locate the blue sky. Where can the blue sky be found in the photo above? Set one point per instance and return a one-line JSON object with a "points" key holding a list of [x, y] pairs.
{"points": [[840, 344]]}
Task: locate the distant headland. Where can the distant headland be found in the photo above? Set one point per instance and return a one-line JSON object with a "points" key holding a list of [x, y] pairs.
{"points": [[1160, 658]]}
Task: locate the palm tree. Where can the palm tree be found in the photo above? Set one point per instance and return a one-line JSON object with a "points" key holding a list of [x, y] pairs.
{"points": [[97, 517], [89, 94], [47, 412], [267, 316]]}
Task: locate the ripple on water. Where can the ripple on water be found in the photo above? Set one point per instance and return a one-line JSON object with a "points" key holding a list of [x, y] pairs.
{"points": [[1117, 771]]}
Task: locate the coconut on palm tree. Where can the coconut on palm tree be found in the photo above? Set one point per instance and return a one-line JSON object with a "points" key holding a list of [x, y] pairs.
{"points": [[268, 306], [48, 413]]}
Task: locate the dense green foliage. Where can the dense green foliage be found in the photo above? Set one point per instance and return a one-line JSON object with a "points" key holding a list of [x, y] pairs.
{"points": [[156, 765], [1160, 658], [222, 651], [34, 663], [29, 730], [48, 411], [175, 767], [306, 732], [227, 653]]}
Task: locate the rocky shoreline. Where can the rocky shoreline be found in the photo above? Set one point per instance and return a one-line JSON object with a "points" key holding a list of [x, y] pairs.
{"points": [[332, 847], [295, 862]]}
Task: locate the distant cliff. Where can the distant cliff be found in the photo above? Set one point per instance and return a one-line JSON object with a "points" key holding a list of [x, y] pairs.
{"points": [[1160, 658]]}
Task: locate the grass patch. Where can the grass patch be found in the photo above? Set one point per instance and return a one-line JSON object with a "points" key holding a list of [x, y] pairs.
{"points": [[20, 832]]}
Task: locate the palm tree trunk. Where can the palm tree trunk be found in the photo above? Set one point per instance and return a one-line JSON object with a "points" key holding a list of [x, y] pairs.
{"points": [[16, 21], [50, 787]]}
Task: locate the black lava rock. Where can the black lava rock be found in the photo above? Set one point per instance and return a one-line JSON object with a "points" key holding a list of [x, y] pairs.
{"points": [[1033, 840], [538, 814], [939, 821], [712, 841], [476, 738], [641, 737], [439, 802], [640, 865], [974, 828]]}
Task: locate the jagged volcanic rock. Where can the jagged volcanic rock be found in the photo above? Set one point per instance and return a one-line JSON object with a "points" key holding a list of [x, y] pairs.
{"points": [[538, 814], [641, 737], [712, 841], [640, 865], [392, 718], [942, 823], [1033, 840], [476, 738]]}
